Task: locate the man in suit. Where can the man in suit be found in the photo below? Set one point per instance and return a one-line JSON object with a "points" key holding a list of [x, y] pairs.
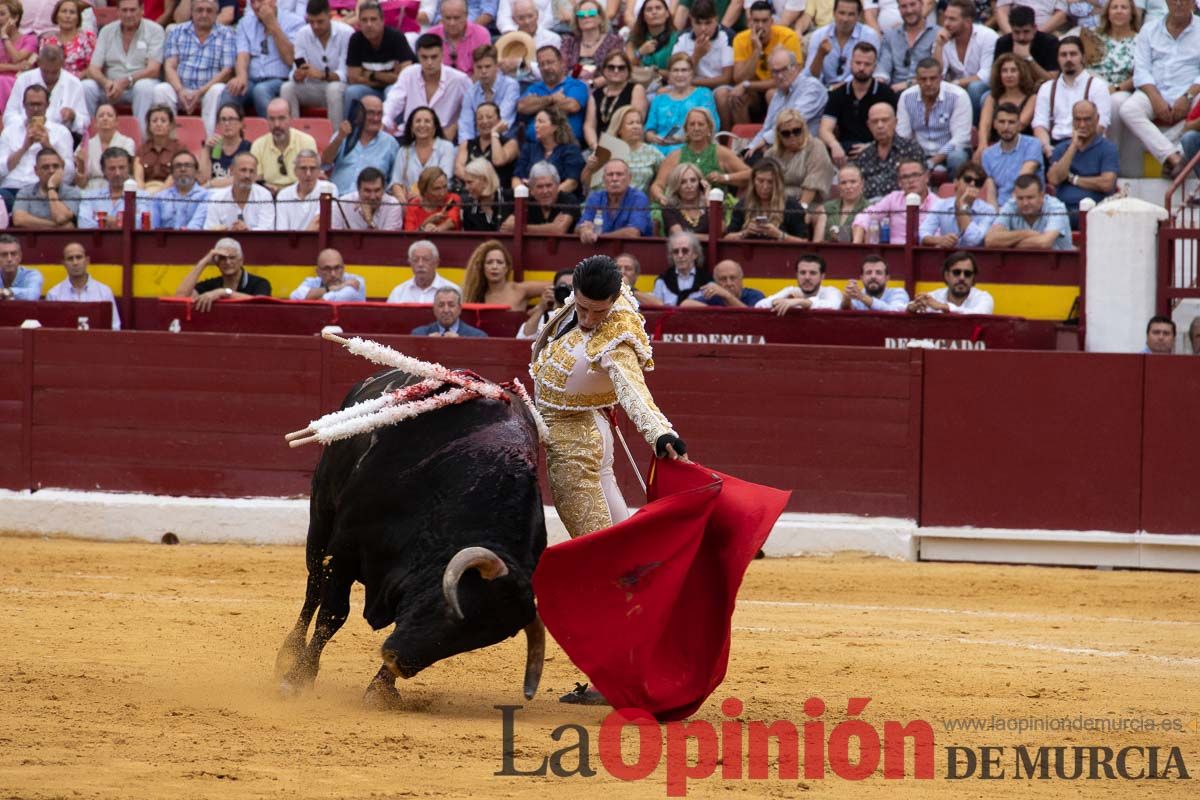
{"points": [[447, 308]]}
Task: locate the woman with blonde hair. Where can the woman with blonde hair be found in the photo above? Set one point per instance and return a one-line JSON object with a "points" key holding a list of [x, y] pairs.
{"points": [[1108, 51], [766, 212], [807, 170], [685, 201], [485, 203], [489, 279], [435, 208], [833, 222], [1011, 82], [590, 42], [19, 50], [643, 160], [719, 165]]}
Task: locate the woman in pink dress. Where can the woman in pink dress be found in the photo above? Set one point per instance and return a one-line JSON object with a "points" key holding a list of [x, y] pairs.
{"points": [[17, 50], [77, 44]]}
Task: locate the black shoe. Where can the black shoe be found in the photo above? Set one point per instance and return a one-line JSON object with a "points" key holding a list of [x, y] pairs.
{"points": [[581, 695]]}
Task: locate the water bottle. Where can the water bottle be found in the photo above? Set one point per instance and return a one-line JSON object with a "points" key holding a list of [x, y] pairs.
{"points": [[598, 222], [873, 232], [885, 231]]}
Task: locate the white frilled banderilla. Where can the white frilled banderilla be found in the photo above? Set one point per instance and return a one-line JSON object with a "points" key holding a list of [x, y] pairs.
{"points": [[409, 402]]}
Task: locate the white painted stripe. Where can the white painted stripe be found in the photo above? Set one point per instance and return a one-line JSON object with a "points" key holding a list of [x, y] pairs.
{"points": [[966, 612]]}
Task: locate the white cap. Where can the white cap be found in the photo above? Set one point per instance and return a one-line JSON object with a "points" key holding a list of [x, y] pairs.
{"points": [[30, 324], [521, 191], [716, 196], [1087, 204], [131, 185], [912, 199]]}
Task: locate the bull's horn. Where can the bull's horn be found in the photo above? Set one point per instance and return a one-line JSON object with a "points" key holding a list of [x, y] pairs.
{"points": [[490, 566], [535, 641]]}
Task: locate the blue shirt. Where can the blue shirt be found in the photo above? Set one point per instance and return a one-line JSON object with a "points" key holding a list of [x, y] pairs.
{"points": [[1098, 157], [941, 219], [346, 294], [836, 66], [1003, 167], [571, 87], [806, 95], [379, 153], [505, 92], [897, 62], [749, 297], [253, 38], [199, 63], [101, 200], [667, 114], [1053, 217], [1169, 64], [27, 285], [634, 212], [174, 211], [566, 158], [894, 298]]}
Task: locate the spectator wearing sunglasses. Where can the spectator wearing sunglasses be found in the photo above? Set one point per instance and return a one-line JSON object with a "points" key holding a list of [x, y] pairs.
{"points": [[904, 46], [459, 36], [961, 220], [830, 47], [960, 295], [277, 149]]}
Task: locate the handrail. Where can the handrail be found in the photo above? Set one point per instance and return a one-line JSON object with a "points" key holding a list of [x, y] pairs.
{"points": [[1179, 179]]}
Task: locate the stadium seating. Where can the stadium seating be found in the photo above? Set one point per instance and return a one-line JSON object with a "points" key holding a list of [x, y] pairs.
{"points": [[190, 131]]}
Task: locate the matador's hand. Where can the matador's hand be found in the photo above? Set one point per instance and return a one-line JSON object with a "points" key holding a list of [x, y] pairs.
{"points": [[670, 445]]}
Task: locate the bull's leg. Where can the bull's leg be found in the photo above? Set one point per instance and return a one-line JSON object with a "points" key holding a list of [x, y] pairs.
{"points": [[334, 609], [320, 531]]}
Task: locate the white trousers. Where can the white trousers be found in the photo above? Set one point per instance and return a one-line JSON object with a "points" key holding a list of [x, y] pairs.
{"points": [[209, 103], [316, 94], [1138, 119], [140, 96]]}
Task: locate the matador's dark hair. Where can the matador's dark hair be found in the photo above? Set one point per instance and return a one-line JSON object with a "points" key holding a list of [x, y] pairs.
{"points": [[598, 278]]}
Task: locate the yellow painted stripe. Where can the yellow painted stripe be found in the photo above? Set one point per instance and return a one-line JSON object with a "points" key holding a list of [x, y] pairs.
{"points": [[1032, 301]]}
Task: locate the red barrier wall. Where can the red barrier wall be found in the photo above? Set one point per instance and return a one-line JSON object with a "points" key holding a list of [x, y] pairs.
{"points": [[1032, 440], [1171, 440], [993, 439]]}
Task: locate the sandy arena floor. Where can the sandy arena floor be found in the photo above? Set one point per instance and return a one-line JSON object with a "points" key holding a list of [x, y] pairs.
{"points": [[144, 671]]}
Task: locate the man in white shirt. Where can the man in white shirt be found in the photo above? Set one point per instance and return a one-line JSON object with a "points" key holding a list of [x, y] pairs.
{"points": [[808, 293], [67, 105], [127, 62], [959, 295], [368, 208], [331, 283], [21, 142], [244, 205], [80, 287], [298, 207], [508, 10], [1052, 113], [712, 55], [871, 292], [1166, 72], [966, 51], [421, 288], [319, 71]]}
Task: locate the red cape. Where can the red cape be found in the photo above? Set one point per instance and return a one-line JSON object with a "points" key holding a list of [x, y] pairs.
{"points": [[644, 608]]}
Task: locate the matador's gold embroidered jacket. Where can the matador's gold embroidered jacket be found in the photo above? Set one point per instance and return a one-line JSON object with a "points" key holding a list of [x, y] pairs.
{"points": [[582, 371]]}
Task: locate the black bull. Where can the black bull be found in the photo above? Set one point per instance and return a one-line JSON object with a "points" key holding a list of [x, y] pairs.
{"points": [[440, 518]]}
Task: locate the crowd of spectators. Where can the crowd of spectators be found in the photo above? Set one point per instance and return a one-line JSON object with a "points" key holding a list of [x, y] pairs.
{"points": [[616, 119], [462, 105]]}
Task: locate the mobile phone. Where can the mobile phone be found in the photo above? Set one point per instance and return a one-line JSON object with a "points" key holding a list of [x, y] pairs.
{"points": [[301, 63], [761, 219]]}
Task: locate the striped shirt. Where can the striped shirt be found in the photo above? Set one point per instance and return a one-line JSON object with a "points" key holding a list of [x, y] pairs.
{"points": [[200, 61]]}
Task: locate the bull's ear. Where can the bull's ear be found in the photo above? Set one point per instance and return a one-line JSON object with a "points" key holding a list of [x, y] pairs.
{"points": [[490, 567]]}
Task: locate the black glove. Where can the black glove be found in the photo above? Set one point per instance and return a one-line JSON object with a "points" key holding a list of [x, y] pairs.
{"points": [[660, 446]]}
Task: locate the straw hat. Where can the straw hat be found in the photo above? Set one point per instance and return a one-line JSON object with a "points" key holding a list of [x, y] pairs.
{"points": [[517, 44]]}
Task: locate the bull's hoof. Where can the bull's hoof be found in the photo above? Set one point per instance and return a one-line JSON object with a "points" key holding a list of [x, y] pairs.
{"points": [[289, 655], [381, 696], [582, 695]]}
